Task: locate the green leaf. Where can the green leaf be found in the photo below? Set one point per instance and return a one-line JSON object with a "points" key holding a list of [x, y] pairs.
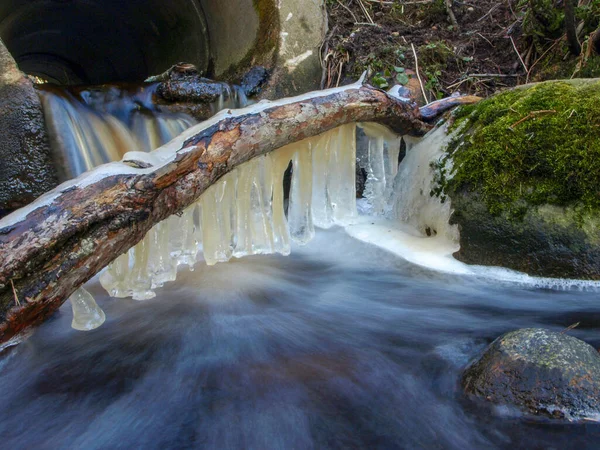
{"points": [[399, 69], [380, 82], [402, 78]]}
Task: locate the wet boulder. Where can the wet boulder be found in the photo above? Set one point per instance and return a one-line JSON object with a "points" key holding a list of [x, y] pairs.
{"points": [[539, 371]]}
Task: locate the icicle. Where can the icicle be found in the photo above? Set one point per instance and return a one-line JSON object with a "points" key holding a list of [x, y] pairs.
{"points": [[375, 186], [161, 266], [263, 241], [254, 208], [218, 213], [383, 149], [321, 205], [115, 278], [140, 280], [342, 183], [87, 315], [300, 202], [281, 232], [184, 237]]}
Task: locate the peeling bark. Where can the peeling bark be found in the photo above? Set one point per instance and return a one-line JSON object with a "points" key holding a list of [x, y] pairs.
{"points": [[56, 244]]}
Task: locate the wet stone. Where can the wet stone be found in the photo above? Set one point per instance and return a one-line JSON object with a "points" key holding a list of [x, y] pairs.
{"points": [[254, 80], [541, 372]]}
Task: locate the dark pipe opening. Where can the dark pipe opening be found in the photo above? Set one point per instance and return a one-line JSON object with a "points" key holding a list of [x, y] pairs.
{"points": [[100, 41]]}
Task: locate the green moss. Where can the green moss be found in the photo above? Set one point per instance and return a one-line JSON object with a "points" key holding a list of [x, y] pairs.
{"points": [[530, 146]]}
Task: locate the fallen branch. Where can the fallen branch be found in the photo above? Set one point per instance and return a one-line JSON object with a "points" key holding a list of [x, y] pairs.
{"points": [[51, 247]]}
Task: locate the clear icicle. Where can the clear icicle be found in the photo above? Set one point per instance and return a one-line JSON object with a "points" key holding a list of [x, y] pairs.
{"points": [[342, 169], [321, 205], [115, 278], [141, 281], [392, 153], [300, 203], [218, 219], [161, 266], [254, 209], [87, 315], [375, 187], [183, 237]]}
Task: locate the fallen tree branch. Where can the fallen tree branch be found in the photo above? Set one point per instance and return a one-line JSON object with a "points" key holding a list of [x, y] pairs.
{"points": [[51, 247]]}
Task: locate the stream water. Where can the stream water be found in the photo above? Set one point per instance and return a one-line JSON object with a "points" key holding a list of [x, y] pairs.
{"points": [[339, 345], [342, 344]]}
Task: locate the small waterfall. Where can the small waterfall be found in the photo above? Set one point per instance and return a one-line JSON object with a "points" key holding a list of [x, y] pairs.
{"points": [[93, 126]]}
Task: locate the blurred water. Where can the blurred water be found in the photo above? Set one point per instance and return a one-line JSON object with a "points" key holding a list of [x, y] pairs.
{"points": [[340, 345]]}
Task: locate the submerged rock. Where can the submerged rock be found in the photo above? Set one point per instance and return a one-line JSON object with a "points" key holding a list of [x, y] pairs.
{"points": [[523, 175], [539, 371]]}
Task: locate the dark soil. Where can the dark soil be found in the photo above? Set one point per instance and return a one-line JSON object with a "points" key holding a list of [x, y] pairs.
{"points": [[488, 51]]}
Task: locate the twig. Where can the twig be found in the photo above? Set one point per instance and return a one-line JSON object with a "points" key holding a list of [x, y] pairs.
{"points": [[540, 58], [488, 41], [349, 10], [570, 327], [518, 54], [498, 75], [339, 73], [364, 8], [451, 16], [15, 293], [417, 71], [489, 12], [531, 115]]}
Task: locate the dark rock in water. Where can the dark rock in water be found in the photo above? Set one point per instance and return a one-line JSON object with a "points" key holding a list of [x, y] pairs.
{"points": [[26, 171], [540, 371], [253, 81]]}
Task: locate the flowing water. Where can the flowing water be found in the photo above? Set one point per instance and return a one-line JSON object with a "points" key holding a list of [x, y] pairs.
{"points": [[339, 345], [357, 339], [90, 126]]}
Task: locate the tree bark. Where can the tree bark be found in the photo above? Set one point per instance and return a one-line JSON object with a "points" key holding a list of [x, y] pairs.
{"points": [[56, 244], [571, 29]]}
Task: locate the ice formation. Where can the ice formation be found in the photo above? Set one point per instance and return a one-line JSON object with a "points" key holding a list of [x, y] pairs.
{"points": [[380, 157], [244, 213], [87, 315], [412, 202]]}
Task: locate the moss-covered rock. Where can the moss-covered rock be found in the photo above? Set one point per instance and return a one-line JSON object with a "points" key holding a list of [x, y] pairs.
{"points": [[540, 371], [523, 174]]}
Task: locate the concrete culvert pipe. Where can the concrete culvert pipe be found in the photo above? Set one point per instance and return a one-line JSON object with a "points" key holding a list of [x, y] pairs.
{"points": [[100, 41]]}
